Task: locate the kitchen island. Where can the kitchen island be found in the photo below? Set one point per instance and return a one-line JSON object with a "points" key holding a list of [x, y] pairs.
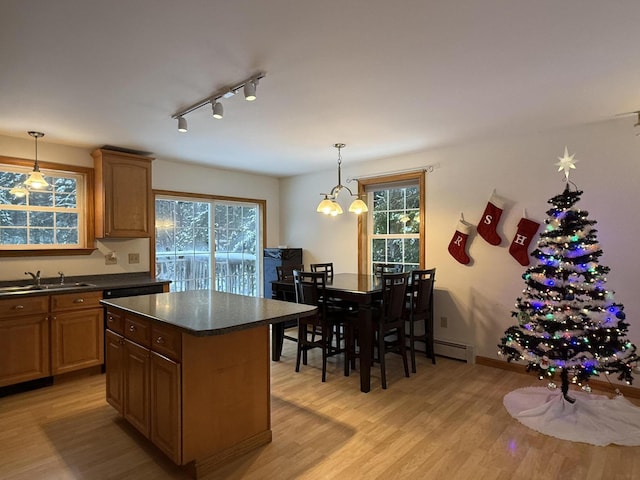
{"points": [[190, 371]]}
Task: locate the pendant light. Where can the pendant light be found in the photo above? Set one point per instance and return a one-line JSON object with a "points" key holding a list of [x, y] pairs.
{"points": [[329, 205], [36, 179]]}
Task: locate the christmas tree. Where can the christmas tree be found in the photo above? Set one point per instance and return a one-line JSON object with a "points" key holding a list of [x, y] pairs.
{"points": [[568, 322]]}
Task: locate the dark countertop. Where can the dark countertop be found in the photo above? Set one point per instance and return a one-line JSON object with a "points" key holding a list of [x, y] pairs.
{"points": [[207, 312], [97, 282]]}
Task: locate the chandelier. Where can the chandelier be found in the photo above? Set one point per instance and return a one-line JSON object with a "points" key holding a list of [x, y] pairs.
{"points": [[329, 205]]}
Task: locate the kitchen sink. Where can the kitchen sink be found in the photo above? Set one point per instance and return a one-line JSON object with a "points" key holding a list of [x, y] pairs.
{"points": [[44, 286]]}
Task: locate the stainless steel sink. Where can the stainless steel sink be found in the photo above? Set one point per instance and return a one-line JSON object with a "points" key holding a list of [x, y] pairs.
{"points": [[44, 286]]}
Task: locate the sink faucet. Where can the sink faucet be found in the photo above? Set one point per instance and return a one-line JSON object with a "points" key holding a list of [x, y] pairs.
{"points": [[36, 277], [61, 278]]}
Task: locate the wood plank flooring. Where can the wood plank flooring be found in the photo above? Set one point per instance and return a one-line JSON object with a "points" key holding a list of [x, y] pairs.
{"points": [[445, 422]]}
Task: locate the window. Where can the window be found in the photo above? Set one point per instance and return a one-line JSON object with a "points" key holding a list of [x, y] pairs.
{"points": [[54, 220], [393, 230], [209, 243]]}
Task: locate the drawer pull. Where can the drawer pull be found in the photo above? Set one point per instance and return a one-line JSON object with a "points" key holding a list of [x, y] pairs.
{"points": [[132, 328], [79, 300], [160, 340], [18, 307], [110, 319]]}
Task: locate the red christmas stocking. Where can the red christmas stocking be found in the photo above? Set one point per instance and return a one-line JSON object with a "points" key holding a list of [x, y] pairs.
{"points": [[520, 244], [490, 219], [458, 243]]}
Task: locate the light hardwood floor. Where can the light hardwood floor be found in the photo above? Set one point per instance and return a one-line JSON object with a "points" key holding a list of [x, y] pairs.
{"points": [[445, 422]]}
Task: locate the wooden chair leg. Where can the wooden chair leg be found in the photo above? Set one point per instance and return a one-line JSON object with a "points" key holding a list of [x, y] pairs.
{"points": [[403, 350], [412, 345], [381, 355], [301, 343]]}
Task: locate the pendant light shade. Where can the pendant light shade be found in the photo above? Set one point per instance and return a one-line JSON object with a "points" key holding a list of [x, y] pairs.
{"points": [[36, 179], [329, 205]]}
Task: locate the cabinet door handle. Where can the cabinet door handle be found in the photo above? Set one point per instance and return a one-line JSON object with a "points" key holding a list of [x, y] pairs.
{"points": [[132, 328], [160, 340], [79, 300], [18, 307], [110, 319]]}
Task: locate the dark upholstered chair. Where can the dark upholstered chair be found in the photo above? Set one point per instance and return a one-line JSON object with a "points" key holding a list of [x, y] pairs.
{"points": [[390, 321], [323, 267], [316, 331], [421, 310]]}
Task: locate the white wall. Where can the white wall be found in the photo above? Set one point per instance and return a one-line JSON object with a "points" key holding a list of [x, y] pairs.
{"points": [[477, 299], [166, 176]]}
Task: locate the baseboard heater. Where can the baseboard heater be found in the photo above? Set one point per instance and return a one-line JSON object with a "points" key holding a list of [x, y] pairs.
{"points": [[458, 351]]}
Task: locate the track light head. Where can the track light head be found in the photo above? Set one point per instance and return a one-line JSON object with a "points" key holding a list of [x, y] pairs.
{"points": [[218, 110], [250, 90], [182, 124]]}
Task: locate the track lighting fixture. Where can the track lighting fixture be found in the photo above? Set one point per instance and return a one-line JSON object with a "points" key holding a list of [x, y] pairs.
{"points": [[182, 124], [329, 205], [249, 87], [250, 90], [218, 110]]}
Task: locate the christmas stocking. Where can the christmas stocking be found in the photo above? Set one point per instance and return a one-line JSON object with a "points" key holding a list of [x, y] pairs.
{"points": [[490, 219], [520, 244], [458, 243]]}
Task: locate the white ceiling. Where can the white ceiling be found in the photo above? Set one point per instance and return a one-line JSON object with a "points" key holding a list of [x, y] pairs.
{"points": [[385, 77]]}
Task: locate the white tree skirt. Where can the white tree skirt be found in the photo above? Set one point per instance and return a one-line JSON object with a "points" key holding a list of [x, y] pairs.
{"points": [[594, 419]]}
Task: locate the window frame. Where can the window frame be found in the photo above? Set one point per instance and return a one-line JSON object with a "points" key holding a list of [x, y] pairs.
{"points": [[262, 204], [366, 184], [88, 233]]}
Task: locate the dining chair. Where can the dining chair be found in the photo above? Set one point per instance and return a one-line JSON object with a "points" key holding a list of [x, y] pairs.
{"points": [[380, 268], [390, 321], [316, 331], [421, 310], [285, 273], [323, 267]]}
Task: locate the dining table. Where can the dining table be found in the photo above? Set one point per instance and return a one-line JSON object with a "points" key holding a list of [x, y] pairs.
{"points": [[360, 289]]}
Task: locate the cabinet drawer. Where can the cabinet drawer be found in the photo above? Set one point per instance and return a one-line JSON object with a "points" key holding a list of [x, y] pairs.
{"points": [[115, 322], [166, 341], [138, 330], [75, 301], [12, 307]]}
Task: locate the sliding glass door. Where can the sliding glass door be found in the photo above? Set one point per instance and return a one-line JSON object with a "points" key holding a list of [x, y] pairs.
{"points": [[208, 244]]}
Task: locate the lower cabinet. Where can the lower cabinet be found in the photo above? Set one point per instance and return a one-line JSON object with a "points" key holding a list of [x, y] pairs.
{"points": [[24, 349], [143, 385], [202, 400]]}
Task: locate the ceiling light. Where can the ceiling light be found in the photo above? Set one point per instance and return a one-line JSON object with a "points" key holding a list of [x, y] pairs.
{"points": [[36, 179], [218, 109], [250, 90], [249, 86], [182, 124], [329, 205]]}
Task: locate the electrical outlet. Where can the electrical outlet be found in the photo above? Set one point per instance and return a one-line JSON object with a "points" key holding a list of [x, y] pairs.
{"points": [[444, 322], [110, 258], [134, 258]]}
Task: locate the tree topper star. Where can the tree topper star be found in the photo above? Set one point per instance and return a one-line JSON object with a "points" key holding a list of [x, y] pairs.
{"points": [[566, 163]]}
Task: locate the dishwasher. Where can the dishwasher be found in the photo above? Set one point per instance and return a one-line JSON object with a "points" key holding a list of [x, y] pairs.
{"points": [[132, 291]]}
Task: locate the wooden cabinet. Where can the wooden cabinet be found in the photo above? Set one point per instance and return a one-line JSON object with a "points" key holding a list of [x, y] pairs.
{"points": [[24, 339], [77, 331], [144, 378], [114, 363], [123, 195]]}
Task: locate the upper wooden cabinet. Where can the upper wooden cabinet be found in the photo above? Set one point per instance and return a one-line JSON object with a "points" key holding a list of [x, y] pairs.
{"points": [[123, 193]]}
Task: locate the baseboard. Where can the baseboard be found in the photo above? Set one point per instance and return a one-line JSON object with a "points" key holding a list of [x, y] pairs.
{"points": [[599, 385]]}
